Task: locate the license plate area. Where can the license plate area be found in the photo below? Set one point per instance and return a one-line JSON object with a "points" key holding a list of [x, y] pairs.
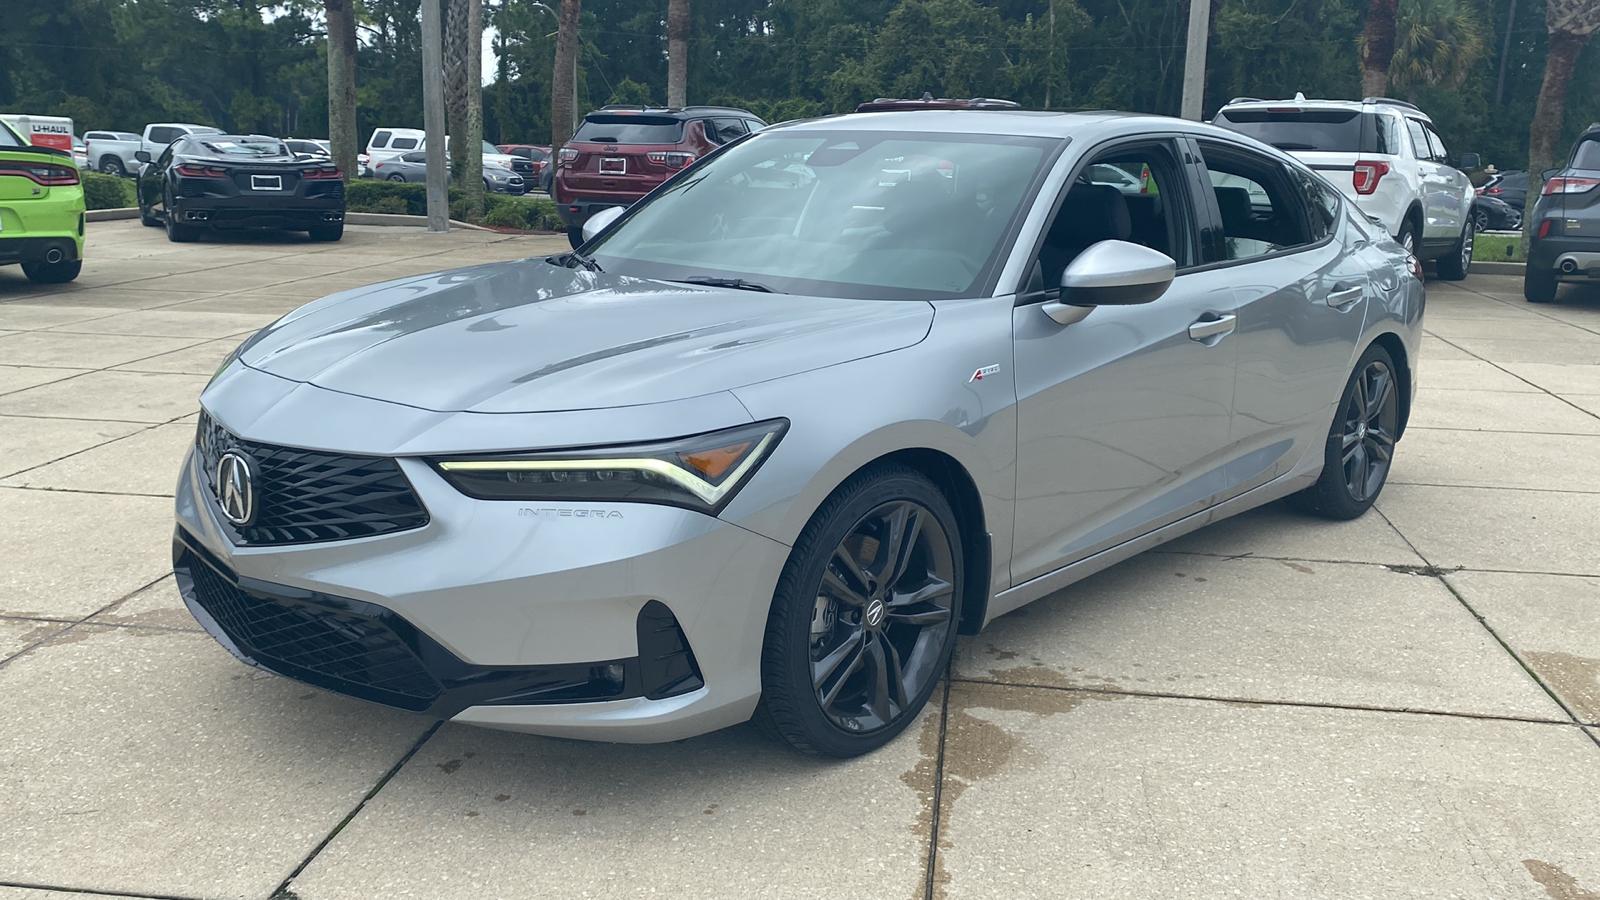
{"points": [[613, 165], [266, 182]]}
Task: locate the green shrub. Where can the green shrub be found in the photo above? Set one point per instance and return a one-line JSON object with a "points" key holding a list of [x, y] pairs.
{"points": [[395, 205], [107, 191], [505, 215], [499, 210], [366, 195]]}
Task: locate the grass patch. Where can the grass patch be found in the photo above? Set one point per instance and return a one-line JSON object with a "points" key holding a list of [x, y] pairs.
{"points": [[1498, 248]]}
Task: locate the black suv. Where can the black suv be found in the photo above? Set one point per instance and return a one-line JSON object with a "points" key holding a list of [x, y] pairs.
{"points": [[1566, 222], [621, 153]]}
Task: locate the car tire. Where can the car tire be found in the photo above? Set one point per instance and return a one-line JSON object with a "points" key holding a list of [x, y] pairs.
{"points": [[1360, 447], [1407, 237], [575, 236], [52, 273], [396, 177], [327, 233], [148, 220], [111, 165], [179, 233], [1481, 218], [1539, 285], [1455, 265], [854, 600]]}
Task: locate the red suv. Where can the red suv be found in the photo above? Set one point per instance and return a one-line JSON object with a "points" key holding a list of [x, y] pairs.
{"points": [[620, 153]]}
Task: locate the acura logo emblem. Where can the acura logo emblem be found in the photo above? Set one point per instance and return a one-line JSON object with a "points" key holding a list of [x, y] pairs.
{"points": [[236, 489]]}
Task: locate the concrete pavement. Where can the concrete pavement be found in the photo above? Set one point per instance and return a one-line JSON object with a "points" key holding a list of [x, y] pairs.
{"points": [[1272, 706]]}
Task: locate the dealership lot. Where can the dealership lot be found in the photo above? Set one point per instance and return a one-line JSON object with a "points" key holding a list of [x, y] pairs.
{"points": [[1404, 705]]}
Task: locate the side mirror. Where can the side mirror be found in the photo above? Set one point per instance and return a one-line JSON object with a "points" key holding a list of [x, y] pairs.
{"points": [[142, 155], [1111, 273], [600, 221], [1470, 161]]}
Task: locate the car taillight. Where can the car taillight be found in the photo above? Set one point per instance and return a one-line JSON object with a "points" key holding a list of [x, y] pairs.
{"points": [[1368, 173], [565, 157], [1569, 185], [671, 159], [1544, 227], [42, 173], [1494, 190], [189, 171], [324, 172]]}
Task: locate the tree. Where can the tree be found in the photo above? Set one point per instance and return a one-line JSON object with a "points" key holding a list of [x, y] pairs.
{"points": [[463, 95], [1440, 42], [341, 15], [563, 78], [1570, 24], [1377, 47], [677, 51]]}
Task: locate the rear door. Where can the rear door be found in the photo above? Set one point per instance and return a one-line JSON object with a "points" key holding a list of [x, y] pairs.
{"points": [[1441, 215], [1300, 280]]}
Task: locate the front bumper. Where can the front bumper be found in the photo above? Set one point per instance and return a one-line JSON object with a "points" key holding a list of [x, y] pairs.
{"points": [[642, 627], [577, 211]]}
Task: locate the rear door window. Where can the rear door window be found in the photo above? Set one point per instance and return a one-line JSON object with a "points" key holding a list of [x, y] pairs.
{"points": [[1419, 139], [1260, 214], [615, 129], [721, 131], [164, 134], [403, 143], [1586, 155]]}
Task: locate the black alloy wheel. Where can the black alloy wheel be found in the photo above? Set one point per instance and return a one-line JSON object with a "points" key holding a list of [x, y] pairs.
{"points": [[1361, 444], [864, 619], [1481, 216]]}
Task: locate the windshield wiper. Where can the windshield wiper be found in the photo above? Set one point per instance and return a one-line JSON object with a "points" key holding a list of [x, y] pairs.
{"points": [[573, 260], [738, 284], [1291, 145]]}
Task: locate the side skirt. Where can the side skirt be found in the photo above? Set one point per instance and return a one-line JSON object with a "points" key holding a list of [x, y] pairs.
{"points": [[1029, 591]]}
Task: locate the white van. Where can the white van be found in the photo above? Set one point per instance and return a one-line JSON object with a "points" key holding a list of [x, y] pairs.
{"points": [[43, 131], [387, 143]]}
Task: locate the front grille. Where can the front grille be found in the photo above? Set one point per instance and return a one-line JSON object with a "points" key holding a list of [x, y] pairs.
{"points": [[347, 650], [306, 496], [522, 166]]}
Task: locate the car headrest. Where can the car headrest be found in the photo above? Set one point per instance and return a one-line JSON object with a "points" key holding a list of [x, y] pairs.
{"points": [[1092, 213], [1234, 205]]}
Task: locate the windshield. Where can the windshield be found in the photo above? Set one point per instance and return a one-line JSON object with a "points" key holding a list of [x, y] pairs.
{"points": [[9, 138], [245, 147], [630, 129], [837, 214], [490, 148], [1325, 130]]}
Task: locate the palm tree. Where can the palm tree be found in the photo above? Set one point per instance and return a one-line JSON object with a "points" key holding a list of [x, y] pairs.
{"points": [[463, 98], [1570, 24], [341, 15], [677, 52], [1377, 47], [564, 78], [1438, 43]]}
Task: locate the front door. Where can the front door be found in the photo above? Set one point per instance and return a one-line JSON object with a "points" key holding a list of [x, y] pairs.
{"points": [[1123, 417]]}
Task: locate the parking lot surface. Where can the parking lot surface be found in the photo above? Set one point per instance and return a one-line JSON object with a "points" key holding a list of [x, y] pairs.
{"points": [[1407, 705]]}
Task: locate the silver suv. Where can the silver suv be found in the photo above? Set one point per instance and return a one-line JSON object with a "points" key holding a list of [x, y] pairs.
{"points": [[1386, 156]]}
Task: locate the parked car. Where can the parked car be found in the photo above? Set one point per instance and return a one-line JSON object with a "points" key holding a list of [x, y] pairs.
{"points": [[1493, 214], [41, 209], [309, 147], [112, 152], [387, 143], [1386, 157], [1512, 187], [80, 153], [1565, 243], [620, 153], [413, 167], [206, 181], [774, 434], [538, 158]]}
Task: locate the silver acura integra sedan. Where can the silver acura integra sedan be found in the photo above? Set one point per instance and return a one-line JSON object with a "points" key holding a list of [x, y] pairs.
{"points": [[779, 432]]}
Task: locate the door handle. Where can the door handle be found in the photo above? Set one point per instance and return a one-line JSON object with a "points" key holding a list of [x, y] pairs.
{"points": [[1343, 295], [1217, 327]]}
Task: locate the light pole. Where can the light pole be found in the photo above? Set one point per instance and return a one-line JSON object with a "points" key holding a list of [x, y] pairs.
{"points": [[1194, 60], [433, 117]]}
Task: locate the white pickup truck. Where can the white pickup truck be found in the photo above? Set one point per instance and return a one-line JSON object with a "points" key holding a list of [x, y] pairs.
{"points": [[114, 152]]}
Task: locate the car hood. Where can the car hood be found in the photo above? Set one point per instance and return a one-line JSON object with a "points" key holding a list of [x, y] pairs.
{"points": [[529, 336]]}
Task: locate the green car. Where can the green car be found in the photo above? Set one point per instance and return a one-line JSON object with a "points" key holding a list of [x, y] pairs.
{"points": [[41, 210]]}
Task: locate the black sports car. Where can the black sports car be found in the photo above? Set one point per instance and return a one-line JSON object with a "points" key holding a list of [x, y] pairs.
{"points": [[239, 181], [1494, 214]]}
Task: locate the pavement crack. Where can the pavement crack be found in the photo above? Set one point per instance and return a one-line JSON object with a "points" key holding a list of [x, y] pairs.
{"points": [[283, 892], [90, 892], [930, 883]]}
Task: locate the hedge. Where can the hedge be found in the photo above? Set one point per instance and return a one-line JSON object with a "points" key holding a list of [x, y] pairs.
{"points": [[528, 213], [108, 191]]}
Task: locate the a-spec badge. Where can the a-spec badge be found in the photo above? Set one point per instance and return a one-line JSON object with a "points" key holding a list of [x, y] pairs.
{"points": [[984, 372]]}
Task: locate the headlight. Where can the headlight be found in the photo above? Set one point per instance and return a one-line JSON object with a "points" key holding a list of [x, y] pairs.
{"points": [[701, 472]]}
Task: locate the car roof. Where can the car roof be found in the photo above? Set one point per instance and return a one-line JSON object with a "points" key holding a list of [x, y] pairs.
{"points": [[1300, 101], [676, 112], [1015, 122]]}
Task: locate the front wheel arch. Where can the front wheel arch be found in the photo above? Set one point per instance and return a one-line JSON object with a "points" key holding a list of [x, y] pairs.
{"points": [[961, 491], [1402, 361]]}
